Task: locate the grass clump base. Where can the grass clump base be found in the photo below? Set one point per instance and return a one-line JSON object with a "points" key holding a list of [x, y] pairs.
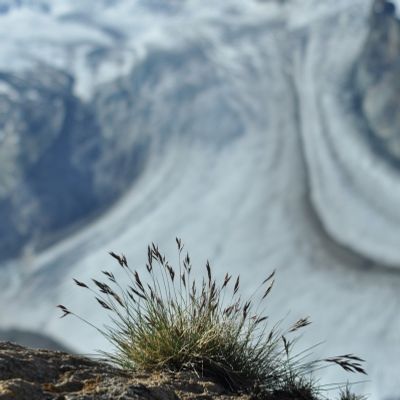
{"points": [[171, 321]]}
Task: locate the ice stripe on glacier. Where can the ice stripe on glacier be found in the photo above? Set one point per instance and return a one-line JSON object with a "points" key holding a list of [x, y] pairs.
{"points": [[355, 192]]}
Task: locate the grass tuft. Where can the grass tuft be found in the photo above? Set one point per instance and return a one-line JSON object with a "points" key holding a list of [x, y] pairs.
{"points": [[347, 394], [168, 320]]}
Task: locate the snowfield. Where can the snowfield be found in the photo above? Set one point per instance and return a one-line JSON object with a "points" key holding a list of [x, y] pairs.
{"points": [[257, 163]]}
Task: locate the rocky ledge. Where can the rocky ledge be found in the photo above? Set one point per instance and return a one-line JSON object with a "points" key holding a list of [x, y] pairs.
{"points": [[27, 374]]}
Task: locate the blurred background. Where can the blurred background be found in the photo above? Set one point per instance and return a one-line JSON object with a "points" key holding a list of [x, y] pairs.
{"points": [[265, 134]]}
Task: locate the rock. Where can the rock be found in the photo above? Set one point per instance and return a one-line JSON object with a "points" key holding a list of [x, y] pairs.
{"points": [[27, 374], [49, 145], [31, 339], [59, 166], [377, 78]]}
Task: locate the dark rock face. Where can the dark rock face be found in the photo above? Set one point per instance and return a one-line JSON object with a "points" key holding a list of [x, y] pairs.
{"points": [[63, 160], [49, 145], [377, 78], [30, 339], [58, 167], [27, 374]]}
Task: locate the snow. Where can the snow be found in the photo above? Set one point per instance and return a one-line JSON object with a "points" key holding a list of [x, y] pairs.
{"points": [[397, 4], [297, 189], [361, 197]]}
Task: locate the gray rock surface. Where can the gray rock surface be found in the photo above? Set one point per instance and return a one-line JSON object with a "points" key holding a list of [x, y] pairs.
{"points": [[58, 167], [49, 146], [377, 79], [31, 339], [27, 374], [63, 160]]}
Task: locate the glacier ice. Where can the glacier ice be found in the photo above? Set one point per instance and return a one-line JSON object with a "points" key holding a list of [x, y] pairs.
{"points": [[255, 159]]}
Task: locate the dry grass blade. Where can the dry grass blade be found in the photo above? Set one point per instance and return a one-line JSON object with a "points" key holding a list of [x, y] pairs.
{"points": [[286, 345], [268, 290], [353, 357], [183, 280], [171, 272], [117, 257], [137, 293], [269, 277], [226, 280], [259, 320], [110, 275], [117, 298], [228, 310], [208, 272], [301, 323], [131, 297], [103, 304], [347, 394], [236, 288], [102, 286], [348, 362], [81, 284], [246, 308], [64, 310], [138, 281], [149, 258], [179, 243]]}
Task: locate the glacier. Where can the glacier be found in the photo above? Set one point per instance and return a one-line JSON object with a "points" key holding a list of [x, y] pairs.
{"points": [[252, 154]]}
